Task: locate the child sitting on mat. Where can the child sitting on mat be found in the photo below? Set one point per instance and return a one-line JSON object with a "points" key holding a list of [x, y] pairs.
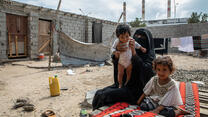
{"points": [[162, 90]]}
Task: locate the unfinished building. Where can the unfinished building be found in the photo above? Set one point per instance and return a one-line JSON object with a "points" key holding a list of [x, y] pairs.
{"points": [[26, 30]]}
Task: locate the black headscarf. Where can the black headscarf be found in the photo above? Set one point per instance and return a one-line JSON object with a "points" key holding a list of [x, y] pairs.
{"points": [[147, 42]]}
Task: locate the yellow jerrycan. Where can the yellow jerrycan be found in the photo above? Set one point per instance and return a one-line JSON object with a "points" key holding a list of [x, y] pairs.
{"points": [[54, 86]]}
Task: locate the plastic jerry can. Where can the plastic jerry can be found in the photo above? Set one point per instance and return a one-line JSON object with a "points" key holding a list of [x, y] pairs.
{"points": [[54, 86]]}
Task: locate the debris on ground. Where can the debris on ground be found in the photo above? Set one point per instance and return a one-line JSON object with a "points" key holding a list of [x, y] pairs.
{"points": [[25, 103], [48, 113], [83, 113], [70, 72], [29, 107], [88, 70], [56, 58]]}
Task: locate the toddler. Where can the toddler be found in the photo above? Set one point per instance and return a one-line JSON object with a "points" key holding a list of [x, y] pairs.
{"points": [[123, 34]]}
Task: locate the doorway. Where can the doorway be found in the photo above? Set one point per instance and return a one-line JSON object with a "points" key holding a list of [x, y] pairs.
{"points": [[17, 36], [44, 36]]}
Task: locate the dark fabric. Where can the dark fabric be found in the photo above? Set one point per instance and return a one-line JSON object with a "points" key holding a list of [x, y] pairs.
{"points": [[168, 111], [141, 73], [147, 43], [147, 104]]}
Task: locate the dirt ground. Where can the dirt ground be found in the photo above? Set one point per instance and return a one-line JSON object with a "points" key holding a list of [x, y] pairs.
{"points": [[30, 79]]}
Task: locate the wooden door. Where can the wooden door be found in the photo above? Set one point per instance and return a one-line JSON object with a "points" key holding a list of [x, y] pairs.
{"points": [[44, 36], [17, 35]]}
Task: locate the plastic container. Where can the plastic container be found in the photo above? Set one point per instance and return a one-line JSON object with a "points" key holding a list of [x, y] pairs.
{"points": [[41, 56], [54, 86], [83, 113]]}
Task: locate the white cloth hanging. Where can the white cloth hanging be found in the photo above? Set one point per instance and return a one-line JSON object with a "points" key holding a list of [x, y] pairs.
{"points": [[186, 44]]}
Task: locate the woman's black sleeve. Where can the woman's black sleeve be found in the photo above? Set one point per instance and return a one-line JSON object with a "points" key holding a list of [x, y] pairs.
{"points": [[115, 68]]}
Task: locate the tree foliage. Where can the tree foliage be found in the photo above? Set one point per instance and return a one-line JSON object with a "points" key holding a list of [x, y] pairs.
{"points": [[137, 23], [196, 18], [204, 18]]}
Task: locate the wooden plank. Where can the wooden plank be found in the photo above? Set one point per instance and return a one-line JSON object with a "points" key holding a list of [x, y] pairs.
{"points": [[203, 100], [16, 46], [50, 53], [204, 91], [51, 45], [203, 97], [17, 56], [25, 45], [10, 45], [203, 106], [44, 46]]}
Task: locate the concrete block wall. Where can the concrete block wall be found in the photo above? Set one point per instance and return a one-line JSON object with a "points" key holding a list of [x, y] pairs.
{"points": [[3, 39], [73, 26], [108, 30], [89, 31], [174, 31], [33, 34]]}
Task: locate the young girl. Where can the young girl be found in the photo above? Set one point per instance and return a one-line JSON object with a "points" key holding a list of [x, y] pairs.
{"points": [[123, 34], [162, 90]]}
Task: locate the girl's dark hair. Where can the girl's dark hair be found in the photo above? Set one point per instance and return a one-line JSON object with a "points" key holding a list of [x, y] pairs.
{"points": [[166, 61], [122, 29]]}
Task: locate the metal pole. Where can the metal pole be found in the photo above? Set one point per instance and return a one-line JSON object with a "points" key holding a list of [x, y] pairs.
{"points": [[174, 9], [143, 10], [169, 9], [59, 5], [51, 39], [124, 12]]}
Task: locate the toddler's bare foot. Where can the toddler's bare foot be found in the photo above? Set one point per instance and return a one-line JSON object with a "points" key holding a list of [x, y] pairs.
{"points": [[126, 83], [119, 86], [184, 112]]}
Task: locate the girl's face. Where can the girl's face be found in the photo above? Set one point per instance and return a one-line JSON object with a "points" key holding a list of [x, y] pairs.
{"points": [[124, 37], [163, 71]]}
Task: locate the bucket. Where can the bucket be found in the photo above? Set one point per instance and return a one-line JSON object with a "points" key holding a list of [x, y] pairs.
{"points": [[41, 56]]}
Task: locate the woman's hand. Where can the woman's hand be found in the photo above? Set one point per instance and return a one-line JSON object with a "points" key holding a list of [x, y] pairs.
{"points": [[132, 46], [116, 53]]}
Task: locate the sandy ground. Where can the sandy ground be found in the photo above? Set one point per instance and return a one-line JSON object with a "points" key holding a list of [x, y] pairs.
{"points": [[18, 80]]}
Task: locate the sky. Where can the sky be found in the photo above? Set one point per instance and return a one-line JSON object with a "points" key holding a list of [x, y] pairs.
{"points": [[112, 9]]}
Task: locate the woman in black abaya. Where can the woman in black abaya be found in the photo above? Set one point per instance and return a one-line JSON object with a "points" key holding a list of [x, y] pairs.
{"points": [[141, 74]]}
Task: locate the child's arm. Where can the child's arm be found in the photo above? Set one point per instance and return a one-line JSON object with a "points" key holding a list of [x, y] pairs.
{"points": [[137, 45], [140, 99], [147, 90], [144, 50], [158, 109]]}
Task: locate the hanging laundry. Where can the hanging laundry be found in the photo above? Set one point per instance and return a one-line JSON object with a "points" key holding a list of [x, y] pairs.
{"points": [[175, 42], [186, 44]]}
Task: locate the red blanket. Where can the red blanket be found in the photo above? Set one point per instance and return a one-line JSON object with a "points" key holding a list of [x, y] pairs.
{"points": [[188, 91]]}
